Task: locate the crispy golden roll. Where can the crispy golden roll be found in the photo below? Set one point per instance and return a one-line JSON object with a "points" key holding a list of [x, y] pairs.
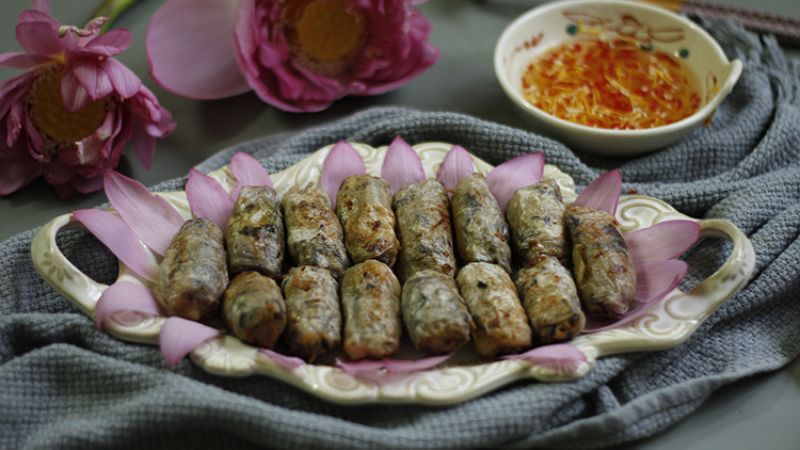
{"points": [[314, 236], [254, 310], [603, 269], [193, 274], [254, 235], [434, 313], [364, 207], [478, 224], [536, 218], [551, 301], [371, 304], [423, 225], [314, 320], [501, 326]]}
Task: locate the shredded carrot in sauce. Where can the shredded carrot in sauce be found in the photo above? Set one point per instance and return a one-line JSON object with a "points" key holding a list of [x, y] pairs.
{"points": [[612, 85]]}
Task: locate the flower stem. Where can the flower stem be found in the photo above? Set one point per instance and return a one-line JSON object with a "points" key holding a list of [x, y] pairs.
{"points": [[112, 9]]}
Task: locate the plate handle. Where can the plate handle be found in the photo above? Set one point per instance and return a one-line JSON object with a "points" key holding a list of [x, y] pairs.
{"points": [[59, 272]]}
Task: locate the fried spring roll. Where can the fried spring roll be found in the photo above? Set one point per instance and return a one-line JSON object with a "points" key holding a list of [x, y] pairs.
{"points": [[501, 326], [314, 319], [551, 301], [364, 207], [255, 235], [371, 304], [434, 313], [604, 272], [314, 236], [254, 309], [480, 229], [193, 274], [423, 225], [536, 218]]}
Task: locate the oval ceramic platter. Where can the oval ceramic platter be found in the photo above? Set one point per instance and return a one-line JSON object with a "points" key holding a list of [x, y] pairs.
{"points": [[666, 324]]}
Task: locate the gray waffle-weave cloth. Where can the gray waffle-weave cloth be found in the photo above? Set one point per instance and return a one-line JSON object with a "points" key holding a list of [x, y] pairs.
{"points": [[63, 384]]}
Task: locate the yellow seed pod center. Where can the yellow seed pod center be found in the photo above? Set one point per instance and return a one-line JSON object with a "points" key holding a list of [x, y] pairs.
{"points": [[53, 120], [327, 32]]}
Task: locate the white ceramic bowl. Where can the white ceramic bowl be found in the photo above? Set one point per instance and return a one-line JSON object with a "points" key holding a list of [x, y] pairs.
{"points": [[553, 24]]}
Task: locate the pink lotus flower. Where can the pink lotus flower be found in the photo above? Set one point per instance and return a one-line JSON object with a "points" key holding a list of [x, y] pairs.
{"points": [[69, 116], [298, 56]]}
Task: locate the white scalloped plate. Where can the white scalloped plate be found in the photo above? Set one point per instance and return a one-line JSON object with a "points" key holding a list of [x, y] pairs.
{"points": [[665, 325]]}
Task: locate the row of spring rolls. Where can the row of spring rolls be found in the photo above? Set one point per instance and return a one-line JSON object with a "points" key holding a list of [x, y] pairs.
{"points": [[441, 306]]}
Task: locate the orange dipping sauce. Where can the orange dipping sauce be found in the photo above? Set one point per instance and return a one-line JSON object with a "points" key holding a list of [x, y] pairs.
{"points": [[611, 85]]}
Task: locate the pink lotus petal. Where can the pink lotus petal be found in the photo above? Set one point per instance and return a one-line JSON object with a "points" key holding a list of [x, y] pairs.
{"points": [[92, 78], [602, 193], [561, 357], [457, 164], [401, 165], [342, 161], [415, 365], [41, 5], [248, 171], [17, 60], [288, 363], [509, 177], [180, 336], [115, 234], [110, 43], [657, 279], [144, 146], [355, 368], [125, 82], [73, 93], [38, 37], [184, 35], [151, 218], [663, 241], [630, 316], [208, 199], [388, 365], [125, 296]]}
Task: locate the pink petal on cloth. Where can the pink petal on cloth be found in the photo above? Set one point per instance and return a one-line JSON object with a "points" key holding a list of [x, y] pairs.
{"points": [[151, 218], [208, 198], [288, 363], [115, 234], [92, 78], [74, 95], [509, 177], [602, 193], [38, 37], [125, 296], [342, 161], [663, 241], [19, 60], [657, 279], [110, 43], [190, 49], [401, 165], [555, 357], [179, 337], [125, 82], [457, 164], [248, 171]]}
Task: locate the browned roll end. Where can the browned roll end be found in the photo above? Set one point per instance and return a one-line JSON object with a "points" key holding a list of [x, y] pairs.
{"points": [[255, 233]]}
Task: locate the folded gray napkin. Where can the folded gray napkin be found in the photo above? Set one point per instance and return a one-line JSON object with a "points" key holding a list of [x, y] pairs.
{"points": [[63, 384]]}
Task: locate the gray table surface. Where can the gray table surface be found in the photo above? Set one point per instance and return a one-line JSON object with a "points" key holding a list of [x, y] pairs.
{"points": [[760, 412]]}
